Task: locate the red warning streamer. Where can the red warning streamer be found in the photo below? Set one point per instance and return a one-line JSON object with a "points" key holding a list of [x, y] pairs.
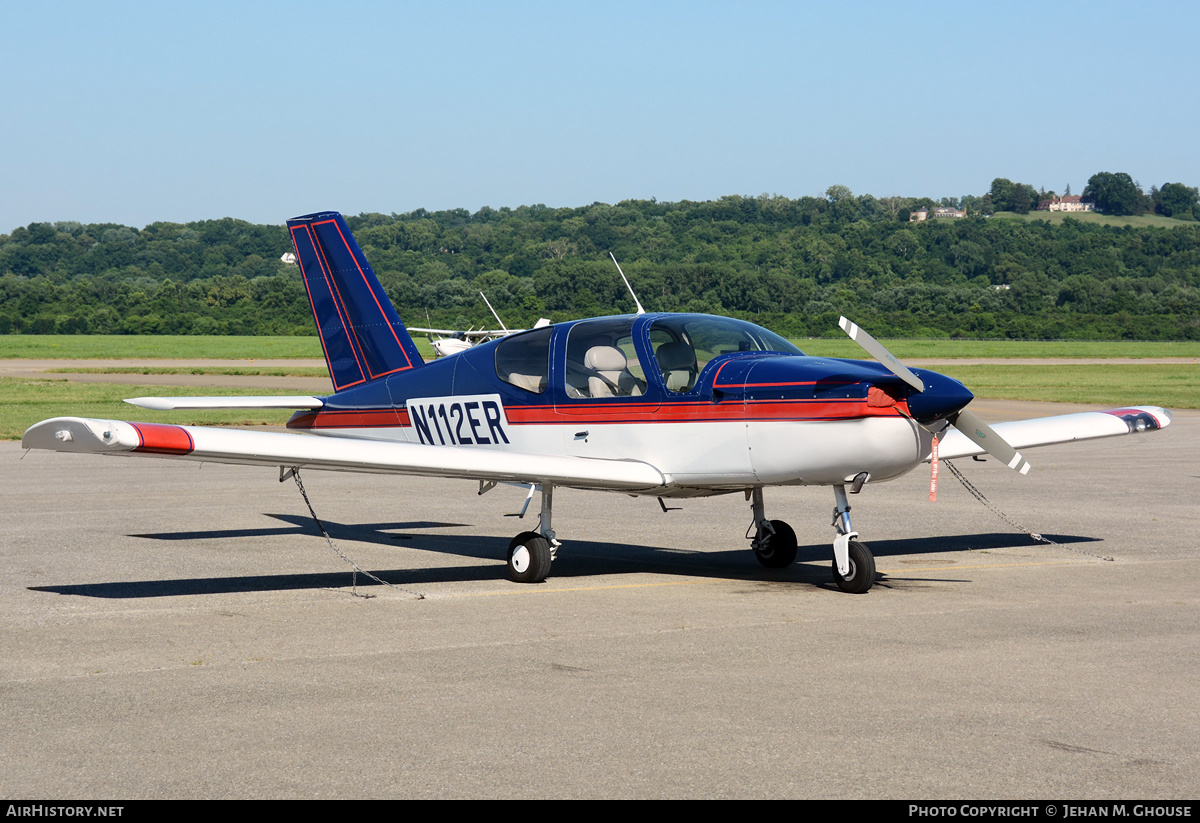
{"points": [[933, 471]]}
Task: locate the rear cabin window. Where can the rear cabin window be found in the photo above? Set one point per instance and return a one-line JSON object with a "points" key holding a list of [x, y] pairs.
{"points": [[523, 360]]}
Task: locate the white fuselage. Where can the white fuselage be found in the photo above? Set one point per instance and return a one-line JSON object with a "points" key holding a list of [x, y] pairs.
{"points": [[714, 456]]}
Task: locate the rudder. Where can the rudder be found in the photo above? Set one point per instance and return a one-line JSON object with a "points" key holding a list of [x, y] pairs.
{"points": [[362, 336]]}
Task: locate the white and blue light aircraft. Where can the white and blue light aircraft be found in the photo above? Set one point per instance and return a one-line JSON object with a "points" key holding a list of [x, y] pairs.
{"points": [[663, 405]]}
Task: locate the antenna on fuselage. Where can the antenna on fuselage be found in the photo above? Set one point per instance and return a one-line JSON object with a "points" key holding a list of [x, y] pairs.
{"points": [[493, 311], [640, 310]]}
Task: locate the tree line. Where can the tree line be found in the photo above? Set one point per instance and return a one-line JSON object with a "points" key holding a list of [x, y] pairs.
{"points": [[791, 264], [1114, 193]]}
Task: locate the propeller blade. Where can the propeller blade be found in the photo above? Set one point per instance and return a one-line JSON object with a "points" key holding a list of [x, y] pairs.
{"points": [[877, 350], [965, 421], [972, 425]]}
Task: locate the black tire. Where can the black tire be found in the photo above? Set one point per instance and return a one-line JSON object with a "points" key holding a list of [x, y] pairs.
{"points": [[528, 558], [779, 550], [862, 570]]}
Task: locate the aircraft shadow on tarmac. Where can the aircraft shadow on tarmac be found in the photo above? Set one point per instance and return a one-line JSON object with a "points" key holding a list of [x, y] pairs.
{"points": [[579, 558]]}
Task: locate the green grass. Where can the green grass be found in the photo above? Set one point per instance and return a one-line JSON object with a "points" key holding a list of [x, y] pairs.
{"points": [[164, 346], [249, 371], [1173, 386], [1138, 222], [24, 402], [968, 349]]}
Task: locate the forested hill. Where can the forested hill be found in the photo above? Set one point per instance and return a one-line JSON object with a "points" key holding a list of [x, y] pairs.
{"points": [[793, 265]]}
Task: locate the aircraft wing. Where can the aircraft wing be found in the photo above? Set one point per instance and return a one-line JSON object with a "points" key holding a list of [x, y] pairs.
{"points": [[490, 333], [1063, 428], [468, 333], [217, 445]]}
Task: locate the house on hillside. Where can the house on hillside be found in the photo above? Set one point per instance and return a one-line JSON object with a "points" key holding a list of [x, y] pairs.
{"points": [[941, 211], [1072, 202], [947, 211]]}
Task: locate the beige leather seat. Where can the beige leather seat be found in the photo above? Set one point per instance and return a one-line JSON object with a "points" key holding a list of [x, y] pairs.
{"points": [[677, 362], [610, 376]]}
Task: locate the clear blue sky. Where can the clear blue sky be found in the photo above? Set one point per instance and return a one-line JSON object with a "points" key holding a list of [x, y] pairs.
{"points": [[132, 112]]}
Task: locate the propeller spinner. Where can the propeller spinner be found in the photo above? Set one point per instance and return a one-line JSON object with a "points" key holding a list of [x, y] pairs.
{"points": [[942, 399]]}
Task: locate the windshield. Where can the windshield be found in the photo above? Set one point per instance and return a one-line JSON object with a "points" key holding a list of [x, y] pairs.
{"points": [[683, 345]]}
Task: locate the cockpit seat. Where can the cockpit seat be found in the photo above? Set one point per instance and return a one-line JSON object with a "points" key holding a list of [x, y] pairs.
{"points": [[677, 362], [608, 373]]}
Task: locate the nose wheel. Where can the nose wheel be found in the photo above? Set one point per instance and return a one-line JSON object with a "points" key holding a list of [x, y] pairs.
{"points": [[861, 573], [853, 563]]}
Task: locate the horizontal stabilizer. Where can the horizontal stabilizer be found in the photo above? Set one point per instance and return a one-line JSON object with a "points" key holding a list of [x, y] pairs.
{"points": [[215, 445], [268, 402], [1063, 428]]}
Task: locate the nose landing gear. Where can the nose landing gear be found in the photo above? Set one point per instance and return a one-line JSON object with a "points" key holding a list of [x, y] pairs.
{"points": [[853, 563], [774, 542]]}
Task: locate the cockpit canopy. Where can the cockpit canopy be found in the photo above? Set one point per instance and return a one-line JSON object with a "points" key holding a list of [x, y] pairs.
{"points": [[605, 358]]}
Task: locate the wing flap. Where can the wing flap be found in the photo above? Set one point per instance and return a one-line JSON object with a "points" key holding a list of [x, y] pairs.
{"points": [[215, 445], [265, 402], [1063, 428]]}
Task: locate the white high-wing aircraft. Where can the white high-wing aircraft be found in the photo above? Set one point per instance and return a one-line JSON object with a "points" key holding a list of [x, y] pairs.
{"points": [[665, 405], [450, 341]]}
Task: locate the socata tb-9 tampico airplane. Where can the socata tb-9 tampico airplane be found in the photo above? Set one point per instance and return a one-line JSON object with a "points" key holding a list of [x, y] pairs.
{"points": [[665, 405]]}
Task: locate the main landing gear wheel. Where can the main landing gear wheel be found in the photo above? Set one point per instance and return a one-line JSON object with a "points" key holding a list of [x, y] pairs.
{"points": [[862, 570], [778, 550], [528, 558]]}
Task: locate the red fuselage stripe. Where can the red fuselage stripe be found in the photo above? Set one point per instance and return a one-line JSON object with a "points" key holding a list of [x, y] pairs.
{"points": [[372, 419], [757, 410]]}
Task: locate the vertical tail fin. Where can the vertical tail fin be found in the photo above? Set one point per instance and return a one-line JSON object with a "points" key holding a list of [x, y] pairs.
{"points": [[361, 334]]}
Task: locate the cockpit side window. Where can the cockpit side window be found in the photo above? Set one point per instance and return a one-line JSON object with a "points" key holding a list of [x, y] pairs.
{"points": [[523, 360], [602, 360]]}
